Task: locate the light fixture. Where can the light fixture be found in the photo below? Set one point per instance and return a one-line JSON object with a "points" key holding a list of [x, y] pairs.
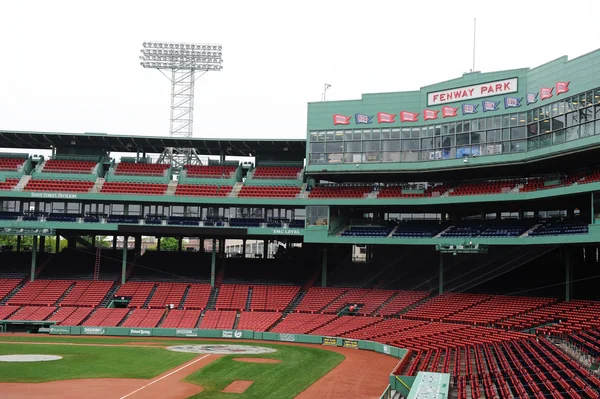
{"points": [[178, 56]]}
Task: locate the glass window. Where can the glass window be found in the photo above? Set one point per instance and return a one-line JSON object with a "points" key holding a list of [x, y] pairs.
{"points": [[533, 143], [545, 126], [352, 146], [372, 145], [545, 140], [597, 111], [529, 116], [518, 146], [317, 158], [415, 133], [348, 135], [451, 128], [73, 207], [572, 119], [505, 120], [477, 137], [330, 135], [467, 126], [390, 145], [536, 114], [135, 209], [505, 134], [554, 109], [405, 132], [498, 122], [558, 122], [357, 135], [426, 144], [438, 128], [339, 135], [462, 139], [489, 123], [480, 124], [445, 129], [410, 145], [569, 106], [321, 136], [518, 132], [429, 131], [597, 96], [459, 127], [586, 114], [587, 129], [334, 146], [514, 120], [494, 136], [532, 129], [366, 134], [558, 137], [572, 133], [385, 134], [376, 134], [395, 133], [317, 147], [317, 215], [561, 107], [313, 136]]}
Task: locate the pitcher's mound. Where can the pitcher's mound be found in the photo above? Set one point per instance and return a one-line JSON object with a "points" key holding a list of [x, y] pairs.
{"points": [[256, 360], [238, 386]]}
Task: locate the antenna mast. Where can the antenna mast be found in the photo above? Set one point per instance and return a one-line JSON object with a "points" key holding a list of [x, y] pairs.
{"points": [[474, 38]]}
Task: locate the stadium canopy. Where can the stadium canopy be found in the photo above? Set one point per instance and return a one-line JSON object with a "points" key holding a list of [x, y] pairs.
{"points": [[292, 148]]}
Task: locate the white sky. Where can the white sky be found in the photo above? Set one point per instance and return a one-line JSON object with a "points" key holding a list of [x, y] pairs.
{"points": [[73, 65]]}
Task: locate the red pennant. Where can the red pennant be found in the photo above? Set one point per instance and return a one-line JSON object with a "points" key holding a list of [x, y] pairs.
{"points": [[546, 92], [406, 116], [430, 114], [341, 119], [562, 87], [384, 117], [449, 111]]}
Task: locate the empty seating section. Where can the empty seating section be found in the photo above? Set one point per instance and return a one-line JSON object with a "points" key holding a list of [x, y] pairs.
{"points": [[210, 171], [197, 297], [422, 229], [138, 291], [401, 301], [73, 186], [6, 311], [497, 308], [203, 190], [560, 228], [479, 188], [586, 317], [8, 184], [11, 164], [141, 169], [40, 292], [69, 166], [561, 311], [33, 313], [7, 285], [218, 319], [272, 297], [106, 317], [318, 298], [167, 294], [276, 172], [383, 327], [257, 321], [269, 191], [341, 191], [181, 319], [114, 187], [368, 300], [367, 231], [345, 324], [302, 323], [70, 316], [87, 293], [145, 318], [232, 297], [444, 305]]}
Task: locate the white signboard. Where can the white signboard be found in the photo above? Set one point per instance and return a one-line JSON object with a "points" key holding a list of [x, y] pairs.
{"points": [[499, 87]]}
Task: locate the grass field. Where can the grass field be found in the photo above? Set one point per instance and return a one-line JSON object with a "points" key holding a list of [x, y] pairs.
{"points": [[299, 366]]}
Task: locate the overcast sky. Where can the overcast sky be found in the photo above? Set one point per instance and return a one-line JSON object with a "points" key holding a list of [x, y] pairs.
{"points": [[73, 66]]}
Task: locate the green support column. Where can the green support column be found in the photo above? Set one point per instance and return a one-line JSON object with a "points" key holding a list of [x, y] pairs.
{"points": [[265, 249], [567, 275], [213, 261], [180, 244], [57, 244], [124, 264], [114, 242], [202, 245], [18, 243], [244, 248], [441, 283], [33, 257], [42, 244], [158, 243], [324, 268], [93, 240]]}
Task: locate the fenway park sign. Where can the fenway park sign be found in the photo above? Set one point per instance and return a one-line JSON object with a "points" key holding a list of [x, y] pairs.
{"points": [[464, 93]]}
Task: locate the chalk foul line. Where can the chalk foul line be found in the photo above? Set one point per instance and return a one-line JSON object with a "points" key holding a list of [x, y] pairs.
{"points": [[165, 376]]}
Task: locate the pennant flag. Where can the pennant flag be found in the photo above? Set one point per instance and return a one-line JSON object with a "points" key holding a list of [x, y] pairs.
{"points": [[490, 105], [532, 98], [448, 111], [430, 114], [546, 92], [384, 117], [360, 118], [341, 119], [469, 109], [562, 87], [406, 116], [512, 102]]}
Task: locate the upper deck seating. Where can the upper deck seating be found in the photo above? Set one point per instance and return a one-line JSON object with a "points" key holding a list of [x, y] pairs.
{"points": [[277, 172], [11, 164], [210, 171], [141, 169], [480, 188], [8, 184], [72, 186], [341, 191], [418, 229], [69, 166], [200, 190], [367, 231], [114, 187], [560, 228]]}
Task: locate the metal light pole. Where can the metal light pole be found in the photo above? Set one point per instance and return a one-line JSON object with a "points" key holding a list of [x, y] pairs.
{"points": [[179, 63]]}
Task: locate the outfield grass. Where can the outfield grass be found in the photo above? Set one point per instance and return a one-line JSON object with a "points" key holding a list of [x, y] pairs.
{"points": [[88, 362], [300, 367]]}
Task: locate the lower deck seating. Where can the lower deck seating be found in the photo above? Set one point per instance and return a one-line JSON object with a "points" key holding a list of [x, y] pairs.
{"points": [[181, 319], [232, 297], [106, 317], [70, 316], [9, 184], [269, 191], [199, 190], [257, 321], [72, 186], [137, 291], [302, 323], [218, 319], [115, 187], [33, 313], [144, 318], [341, 191]]}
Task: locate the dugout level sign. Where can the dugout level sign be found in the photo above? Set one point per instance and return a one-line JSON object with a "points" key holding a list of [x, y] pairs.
{"points": [[329, 341]]}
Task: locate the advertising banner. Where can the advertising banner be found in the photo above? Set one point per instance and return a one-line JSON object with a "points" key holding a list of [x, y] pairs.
{"points": [[143, 332], [329, 341], [93, 331], [350, 343], [186, 332]]}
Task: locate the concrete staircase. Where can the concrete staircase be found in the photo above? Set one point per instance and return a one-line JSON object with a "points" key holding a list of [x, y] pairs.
{"points": [[443, 231], [171, 187], [98, 185], [526, 234], [22, 183], [236, 190], [303, 193]]}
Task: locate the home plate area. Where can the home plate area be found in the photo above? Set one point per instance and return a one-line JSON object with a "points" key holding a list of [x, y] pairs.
{"points": [[222, 349]]}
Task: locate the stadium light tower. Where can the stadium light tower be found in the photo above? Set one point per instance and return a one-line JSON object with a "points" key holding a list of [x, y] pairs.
{"points": [[180, 62]]}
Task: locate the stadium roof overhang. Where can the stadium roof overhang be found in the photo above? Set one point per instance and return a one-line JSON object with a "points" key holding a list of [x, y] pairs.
{"points": [[282, 148]]}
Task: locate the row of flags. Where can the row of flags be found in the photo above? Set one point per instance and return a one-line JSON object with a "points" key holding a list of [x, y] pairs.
{"points": [[448, 112]]}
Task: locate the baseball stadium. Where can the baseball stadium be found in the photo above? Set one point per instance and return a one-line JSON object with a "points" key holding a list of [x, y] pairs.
{"points": [[436, 243]]}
